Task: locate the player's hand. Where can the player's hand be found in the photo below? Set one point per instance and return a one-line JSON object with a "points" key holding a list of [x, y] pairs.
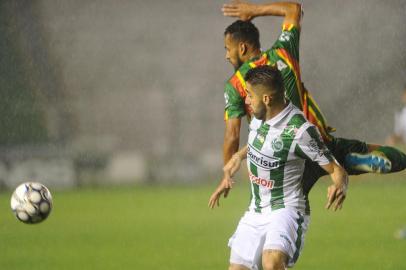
{"points": [[243, 10], [224, 188], [227, 182], [336, 195]]}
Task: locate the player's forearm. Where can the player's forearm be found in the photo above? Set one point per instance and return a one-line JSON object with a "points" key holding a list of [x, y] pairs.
{"points": [[286, 9], [242, 153], [339, 176], [233, 165], [336, 193], [239, 156]]}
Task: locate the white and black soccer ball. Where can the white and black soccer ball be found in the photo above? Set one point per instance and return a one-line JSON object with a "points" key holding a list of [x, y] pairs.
{"points": [[31, 202]]}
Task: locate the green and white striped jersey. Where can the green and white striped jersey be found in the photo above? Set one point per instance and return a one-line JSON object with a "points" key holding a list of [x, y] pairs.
{"points": [[277, 150]]}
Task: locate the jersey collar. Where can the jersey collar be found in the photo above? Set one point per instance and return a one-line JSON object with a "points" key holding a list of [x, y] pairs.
{"points": [[280, 116]]}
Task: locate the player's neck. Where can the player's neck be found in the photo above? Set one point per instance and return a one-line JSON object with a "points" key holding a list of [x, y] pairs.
{"points": [[252, 54], [274, 110]]}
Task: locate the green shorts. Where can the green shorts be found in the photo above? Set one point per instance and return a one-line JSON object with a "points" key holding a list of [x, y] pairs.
{"points": [[339, 147]]}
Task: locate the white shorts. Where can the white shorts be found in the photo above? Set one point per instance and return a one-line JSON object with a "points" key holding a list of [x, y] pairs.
{"points": [[283, 229]]}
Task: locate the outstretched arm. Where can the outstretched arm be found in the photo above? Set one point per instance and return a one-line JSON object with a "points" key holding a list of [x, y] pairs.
{"points": [[337, 191], [232, 166], [247, 11]]}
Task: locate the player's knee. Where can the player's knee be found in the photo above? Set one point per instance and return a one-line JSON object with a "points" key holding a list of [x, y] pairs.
{"points": [[272, 265], [273, 260]]}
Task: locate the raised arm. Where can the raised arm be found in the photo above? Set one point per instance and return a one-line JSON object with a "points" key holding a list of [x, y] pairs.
{"points": [[247, 11]]}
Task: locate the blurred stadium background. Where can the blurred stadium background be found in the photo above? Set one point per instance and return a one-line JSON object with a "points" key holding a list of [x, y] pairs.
{"points": [[117, 93]]}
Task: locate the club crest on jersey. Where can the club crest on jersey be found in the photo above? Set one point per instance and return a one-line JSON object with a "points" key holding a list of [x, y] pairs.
{"points": [[277, 144], [261, 160]]}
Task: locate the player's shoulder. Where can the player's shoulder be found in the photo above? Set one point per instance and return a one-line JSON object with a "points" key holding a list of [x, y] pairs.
{"points": [[244, 68], [296, 116], [237, 80], [298, 121]]}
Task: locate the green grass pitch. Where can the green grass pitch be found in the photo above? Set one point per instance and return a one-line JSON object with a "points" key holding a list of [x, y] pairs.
{"points": [[171, 228]]}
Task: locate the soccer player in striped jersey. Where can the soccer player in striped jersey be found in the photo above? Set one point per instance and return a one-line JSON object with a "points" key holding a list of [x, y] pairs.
{"points": [[243, 51], [279, 142]]}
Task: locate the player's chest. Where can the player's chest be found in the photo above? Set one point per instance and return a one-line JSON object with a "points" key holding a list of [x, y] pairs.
{"points": [[268, 146]]}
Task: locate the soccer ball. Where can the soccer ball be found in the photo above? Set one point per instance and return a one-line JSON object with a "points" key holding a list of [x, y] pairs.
{"points": [[31, 202]]}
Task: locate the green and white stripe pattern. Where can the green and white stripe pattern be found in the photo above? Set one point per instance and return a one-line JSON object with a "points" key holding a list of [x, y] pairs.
{"points": [[277, 150]]}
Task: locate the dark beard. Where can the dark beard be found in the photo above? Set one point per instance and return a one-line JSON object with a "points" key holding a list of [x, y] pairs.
{"points": [[261, 113]]}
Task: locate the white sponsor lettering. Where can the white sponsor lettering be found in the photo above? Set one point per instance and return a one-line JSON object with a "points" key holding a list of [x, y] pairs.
{"points": [[262, 160]]}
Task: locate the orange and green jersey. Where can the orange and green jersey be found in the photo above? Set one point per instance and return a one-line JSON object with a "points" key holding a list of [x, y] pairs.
{"points": [[284, 55]]}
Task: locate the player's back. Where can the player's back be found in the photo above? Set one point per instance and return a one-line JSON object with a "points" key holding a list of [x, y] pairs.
{"points": [[283, 55]]}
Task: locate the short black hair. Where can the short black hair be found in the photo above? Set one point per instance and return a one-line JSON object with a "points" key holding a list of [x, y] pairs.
{"points": [[244, 31], [267, 76]]}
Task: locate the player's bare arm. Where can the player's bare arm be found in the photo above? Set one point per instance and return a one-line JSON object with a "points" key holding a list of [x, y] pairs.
{"points": [[336, 193], [247, 11], [231, 138], [233, 165], [229, 170]]}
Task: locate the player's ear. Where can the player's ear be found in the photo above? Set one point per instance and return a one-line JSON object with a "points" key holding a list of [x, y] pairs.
{"points": [[242, 47], [266, 99]]}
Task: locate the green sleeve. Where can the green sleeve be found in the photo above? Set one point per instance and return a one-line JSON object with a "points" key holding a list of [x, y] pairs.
{"points": [[285, 55], [235, 104], [289, 40]]}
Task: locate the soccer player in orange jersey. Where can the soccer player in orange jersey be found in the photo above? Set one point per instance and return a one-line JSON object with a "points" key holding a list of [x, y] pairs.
{"points": [[243, 52]]}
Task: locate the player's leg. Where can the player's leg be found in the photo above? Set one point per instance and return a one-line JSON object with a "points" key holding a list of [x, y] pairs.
{"points": [[375, 159], [284, 238], [241, 262], [247, 242], [396, 157], [274, 260], [357, 157], [370, 161], [340, 148]]}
